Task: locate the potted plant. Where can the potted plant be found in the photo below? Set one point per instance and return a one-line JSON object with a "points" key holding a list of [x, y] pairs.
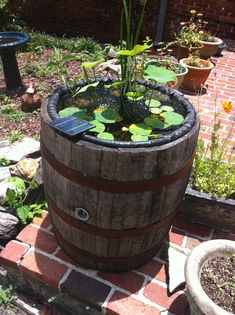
{"points": [[198, 72], [114, 190], [209, 274], [189, 36], [210, 197], [210, 45]]}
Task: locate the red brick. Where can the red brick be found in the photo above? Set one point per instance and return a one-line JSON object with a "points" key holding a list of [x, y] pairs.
{"points": [[129, 281], [175, 303], [122, 304], [43, 268], [13, 253], [86, 289], [192, 228], [154, 269], [38, 238], [223, 235], [42, 220], [176, 236], [192, 242], [61, 254]]}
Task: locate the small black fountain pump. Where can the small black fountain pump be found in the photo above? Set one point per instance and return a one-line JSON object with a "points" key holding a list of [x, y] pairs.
{"points": [[9, 42]]}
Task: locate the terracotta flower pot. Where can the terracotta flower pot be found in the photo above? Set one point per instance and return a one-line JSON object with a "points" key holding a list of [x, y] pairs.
{"points": [[200, 303], [196, 77], [184, 51], [210, 48]]}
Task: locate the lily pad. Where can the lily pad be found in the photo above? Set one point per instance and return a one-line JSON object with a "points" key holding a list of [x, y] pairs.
{"points": [[82, 115], [136, 138], [135, 51], [105, 136], [172, 118], [156, 110], [155, 123], [159, 74], [107, 115], [167, 108], [99, 127], [152, 103], [68, 111], [140, 129]]}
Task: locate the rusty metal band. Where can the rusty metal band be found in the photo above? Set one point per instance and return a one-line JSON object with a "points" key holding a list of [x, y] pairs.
{"points": [[114, 186], [108, 260], [94, 230]]}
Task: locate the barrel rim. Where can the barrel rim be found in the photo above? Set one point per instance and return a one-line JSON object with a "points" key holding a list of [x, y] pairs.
{"points": [[191, 118]]}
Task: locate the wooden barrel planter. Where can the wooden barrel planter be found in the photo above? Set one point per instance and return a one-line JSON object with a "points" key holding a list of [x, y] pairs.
{"points": [[112, 203]]}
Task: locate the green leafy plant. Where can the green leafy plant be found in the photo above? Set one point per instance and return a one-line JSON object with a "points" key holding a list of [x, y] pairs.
{"points": [[190, 31], [12, 112], [7, 296], [4, 161], [15, 198], [213, 170], [15, 136], [194, 60]]}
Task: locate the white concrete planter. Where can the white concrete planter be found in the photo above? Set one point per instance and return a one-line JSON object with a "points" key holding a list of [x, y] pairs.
{"points": [[200, 303], [209, 49]]}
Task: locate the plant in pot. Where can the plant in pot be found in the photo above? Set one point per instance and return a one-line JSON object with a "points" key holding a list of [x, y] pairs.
{"points": [[189, 36], [210, 43], [114, 190], [198, 72], [211, 196], [209, 274]]}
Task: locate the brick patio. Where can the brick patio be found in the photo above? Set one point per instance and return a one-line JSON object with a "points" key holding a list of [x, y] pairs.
{"points": [[36, 254]]}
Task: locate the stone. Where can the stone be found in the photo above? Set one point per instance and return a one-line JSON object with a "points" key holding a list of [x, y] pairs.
{"points": [[25, 168], [4, 173], [8, 225], [110, 65], [19, 150], [112, 53], [176, 268], [4, 143], [36, 195]]}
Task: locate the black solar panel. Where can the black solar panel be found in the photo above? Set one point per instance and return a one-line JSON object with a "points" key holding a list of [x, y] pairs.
{"points": [[70, 125]]}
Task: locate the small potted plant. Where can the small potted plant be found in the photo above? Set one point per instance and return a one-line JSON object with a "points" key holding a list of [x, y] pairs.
{"points": [[210, 45], [198, 72], [209, 274], [189, 36]]}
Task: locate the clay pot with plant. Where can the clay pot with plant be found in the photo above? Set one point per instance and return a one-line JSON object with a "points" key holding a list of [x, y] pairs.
{"points": [[114, 190], [198, 72], [210, 45], [189, 36], [209, 274]]}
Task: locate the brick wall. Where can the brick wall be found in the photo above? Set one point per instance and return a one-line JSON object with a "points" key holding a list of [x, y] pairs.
{"points": [[100, 18]]}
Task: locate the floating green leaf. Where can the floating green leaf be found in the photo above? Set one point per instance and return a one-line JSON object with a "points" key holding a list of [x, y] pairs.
{"points": [[155, 136], [135, 51], [107, 115], [152, 103], [136, 138], [167, 108], [140, 129], [82, 115], [91, 64], [105, 136], [155, 110], [172, 118], [135, 95], [69, 111], [99, 127], [84, 88], [159, 74], [155, 122]]}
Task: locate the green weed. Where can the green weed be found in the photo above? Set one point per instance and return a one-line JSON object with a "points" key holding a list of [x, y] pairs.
{"points": [[15, 136], [7, 296]]}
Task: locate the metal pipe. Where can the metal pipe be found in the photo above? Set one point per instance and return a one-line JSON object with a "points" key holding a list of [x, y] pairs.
{"points": [[161, 22]]}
